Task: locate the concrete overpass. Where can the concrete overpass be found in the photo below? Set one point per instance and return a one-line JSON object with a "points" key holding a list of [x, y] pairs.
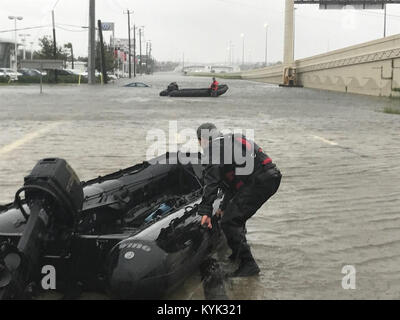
{"points": [[371, 68]]}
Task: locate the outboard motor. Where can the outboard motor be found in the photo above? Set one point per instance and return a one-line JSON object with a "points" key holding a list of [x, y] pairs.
{"points": [[54, 196]]}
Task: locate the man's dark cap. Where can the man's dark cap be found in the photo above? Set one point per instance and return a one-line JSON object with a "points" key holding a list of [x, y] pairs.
{"points": [[208, 130]]}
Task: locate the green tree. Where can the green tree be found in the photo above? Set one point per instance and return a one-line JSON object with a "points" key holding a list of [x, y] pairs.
{"points": [[82, 59], [47, 50], [110, 62]]}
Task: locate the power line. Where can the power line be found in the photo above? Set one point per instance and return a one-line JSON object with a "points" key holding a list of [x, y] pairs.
{"points": [[28, 28], [65, 29], [55, 4], [72, 25], [244, 4], [118, 5], [361, 12]]}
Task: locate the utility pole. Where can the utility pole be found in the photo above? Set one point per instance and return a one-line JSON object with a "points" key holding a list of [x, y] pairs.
{"points": [[92, 45], [134, 51], [147, 57], [140, 49], [54, 44], [72, 56], [151, 61], [102, 56], [129, 42]]}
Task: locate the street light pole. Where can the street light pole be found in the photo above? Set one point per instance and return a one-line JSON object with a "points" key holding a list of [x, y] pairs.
{"points": [[15, 40], [233, 53], [384, 23], [31, 43], [24, 35], [230, 53], [266, 44], [242, 36]]}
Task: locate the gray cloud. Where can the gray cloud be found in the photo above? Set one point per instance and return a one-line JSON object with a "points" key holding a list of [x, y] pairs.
{"points": [[203, 29]]}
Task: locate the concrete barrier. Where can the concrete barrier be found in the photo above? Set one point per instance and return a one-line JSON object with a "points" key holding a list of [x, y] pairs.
{"points": [[228, 75]]}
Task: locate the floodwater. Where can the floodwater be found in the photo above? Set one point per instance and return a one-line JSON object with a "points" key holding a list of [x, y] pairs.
{"points": [[339, 200]]}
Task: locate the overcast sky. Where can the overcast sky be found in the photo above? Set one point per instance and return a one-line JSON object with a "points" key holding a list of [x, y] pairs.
{"points": [[202, 29]]}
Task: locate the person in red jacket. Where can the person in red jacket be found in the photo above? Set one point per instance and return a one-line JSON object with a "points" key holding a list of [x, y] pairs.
{"points": [[214, 87]]}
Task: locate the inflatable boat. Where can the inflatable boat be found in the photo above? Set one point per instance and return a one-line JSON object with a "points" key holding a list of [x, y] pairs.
{"points": [[132, 234], [204, 92]]}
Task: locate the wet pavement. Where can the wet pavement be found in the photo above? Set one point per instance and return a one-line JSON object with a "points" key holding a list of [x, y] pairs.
{"points": [[338, 204]]}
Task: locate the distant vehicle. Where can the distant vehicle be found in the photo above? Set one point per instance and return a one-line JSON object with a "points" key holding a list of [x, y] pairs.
{"points": [[10, 72], [74, 71], [30, 72], [85, 74], [64, 72], [136, 85], [112, 76]]}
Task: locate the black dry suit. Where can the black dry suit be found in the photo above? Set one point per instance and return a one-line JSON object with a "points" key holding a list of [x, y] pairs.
{"points": [[248, 178]]}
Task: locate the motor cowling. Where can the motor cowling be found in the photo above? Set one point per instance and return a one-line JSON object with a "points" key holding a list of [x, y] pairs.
{"points": [[53, 179], [54, 196]]}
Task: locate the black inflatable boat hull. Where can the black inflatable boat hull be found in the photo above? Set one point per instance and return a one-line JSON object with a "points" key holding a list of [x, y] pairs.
{"points": [[204, 92], [107, 252]]}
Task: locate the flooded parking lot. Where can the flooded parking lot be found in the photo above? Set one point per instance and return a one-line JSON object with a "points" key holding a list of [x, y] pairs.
{"points": [[338, 203]]}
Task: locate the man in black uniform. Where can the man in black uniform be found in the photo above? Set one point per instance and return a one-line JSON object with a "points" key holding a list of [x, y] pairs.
{"points": [[248, 178]]}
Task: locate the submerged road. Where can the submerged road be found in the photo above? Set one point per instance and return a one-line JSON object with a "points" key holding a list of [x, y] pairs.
{"points": [[339, 201]]}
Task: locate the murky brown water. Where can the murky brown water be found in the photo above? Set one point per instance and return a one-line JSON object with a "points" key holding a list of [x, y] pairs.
{"points": [[339, 201]]}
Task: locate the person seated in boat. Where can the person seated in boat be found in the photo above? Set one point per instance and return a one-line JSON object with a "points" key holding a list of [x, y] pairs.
{"points": [[172, 87], [214, 87]]}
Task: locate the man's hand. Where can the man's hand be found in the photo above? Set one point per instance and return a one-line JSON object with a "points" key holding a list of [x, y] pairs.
{"points": [[206, 220], [219, 213]]}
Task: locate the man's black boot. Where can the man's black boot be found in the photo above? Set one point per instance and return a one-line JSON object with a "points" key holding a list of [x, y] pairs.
{"points": [[246, 268]]}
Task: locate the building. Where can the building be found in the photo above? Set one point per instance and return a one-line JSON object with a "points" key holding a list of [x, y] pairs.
{"points": [[6, 53]]}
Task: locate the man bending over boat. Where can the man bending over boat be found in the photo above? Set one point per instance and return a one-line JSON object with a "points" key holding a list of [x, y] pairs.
{"points": [[248, 182], [214, 87]]}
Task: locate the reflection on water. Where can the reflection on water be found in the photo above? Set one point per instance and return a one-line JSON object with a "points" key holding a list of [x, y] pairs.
{"points": [[338, 203]]}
